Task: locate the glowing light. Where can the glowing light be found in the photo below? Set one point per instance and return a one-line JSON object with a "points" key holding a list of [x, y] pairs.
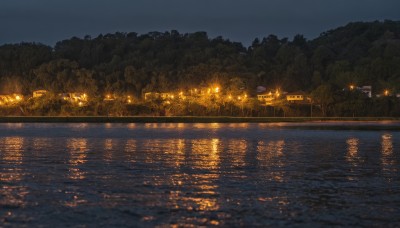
{"points": [[216, 89], [386, 92], [351, 87], [18, 98]]}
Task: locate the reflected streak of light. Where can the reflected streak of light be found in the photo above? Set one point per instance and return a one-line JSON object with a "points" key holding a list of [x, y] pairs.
{"points": [[270, 155], [11, 154], [271, 150], [132, 126], [352, 151], [12, 148], [130, 149], [202, 197], [171, 151], [206, 152], [11, 151], [78, 152], [108, 149], [238, 149], [108, 144], [388, 163]]}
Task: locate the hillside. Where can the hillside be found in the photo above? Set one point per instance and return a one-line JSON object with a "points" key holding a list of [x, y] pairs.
{"points": [[361, 53]]}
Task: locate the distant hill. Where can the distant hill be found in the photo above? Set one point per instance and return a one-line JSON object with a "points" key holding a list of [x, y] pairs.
{"points": [[361, 53]]}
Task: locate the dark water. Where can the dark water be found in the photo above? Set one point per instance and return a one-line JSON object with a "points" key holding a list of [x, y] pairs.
{"points": [[95, 175]]}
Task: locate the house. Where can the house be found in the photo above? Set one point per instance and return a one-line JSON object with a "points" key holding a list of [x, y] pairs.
{"points": [[269, 97], [367, 90], [39, 93], [296, 97]]}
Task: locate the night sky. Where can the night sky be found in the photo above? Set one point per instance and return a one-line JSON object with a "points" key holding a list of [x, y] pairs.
{"points": [[49, 21]]}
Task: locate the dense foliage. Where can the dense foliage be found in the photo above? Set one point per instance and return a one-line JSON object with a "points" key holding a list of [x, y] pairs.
{"points": [[128, 63]]}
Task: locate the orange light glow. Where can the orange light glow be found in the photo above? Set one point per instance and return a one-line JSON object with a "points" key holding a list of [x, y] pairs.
{"points": [[386, 92]]}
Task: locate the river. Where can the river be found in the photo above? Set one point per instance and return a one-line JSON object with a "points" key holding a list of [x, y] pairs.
{"points": [[253, 174]]}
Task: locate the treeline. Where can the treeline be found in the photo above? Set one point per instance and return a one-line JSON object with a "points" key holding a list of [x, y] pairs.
{"points": [[121, 63]]}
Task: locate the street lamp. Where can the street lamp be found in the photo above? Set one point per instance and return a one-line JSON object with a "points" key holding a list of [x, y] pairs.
{"points": [[386, 92]]}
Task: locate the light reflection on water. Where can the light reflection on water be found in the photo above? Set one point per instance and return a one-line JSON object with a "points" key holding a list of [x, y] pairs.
{"points": [[12, 193], [78, 149], [352, 151], [389, 163], [206, 153], [198, 175]]}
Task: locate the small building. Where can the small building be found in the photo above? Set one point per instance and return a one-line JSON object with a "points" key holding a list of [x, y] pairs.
{"points": [[367, 90], [268, 98], [39, 93], [296, 97]]}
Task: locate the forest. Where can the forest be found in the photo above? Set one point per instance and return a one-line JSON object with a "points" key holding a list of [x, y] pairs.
{"points": [[130, 64]]}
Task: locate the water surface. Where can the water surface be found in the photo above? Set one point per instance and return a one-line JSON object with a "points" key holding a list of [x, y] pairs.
{"points": [[56, 175]]}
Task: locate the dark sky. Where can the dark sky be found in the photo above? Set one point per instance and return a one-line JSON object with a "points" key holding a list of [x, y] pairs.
{"points": [[48, 21]]}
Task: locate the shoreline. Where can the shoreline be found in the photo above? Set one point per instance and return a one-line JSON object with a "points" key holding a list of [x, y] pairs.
{"points": [[185, 119]]}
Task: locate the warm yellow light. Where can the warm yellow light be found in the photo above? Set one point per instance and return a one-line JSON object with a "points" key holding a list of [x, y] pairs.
{"points": [[108, 96], [239, 98], [18, 98], [172, 96], [181, 93], [80, 103], [351, 87], [216, 89], [229, 97], [129, 101], [386, 92]]}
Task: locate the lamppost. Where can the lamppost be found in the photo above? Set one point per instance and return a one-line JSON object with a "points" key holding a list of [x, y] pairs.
{"points": [[386, 92]]}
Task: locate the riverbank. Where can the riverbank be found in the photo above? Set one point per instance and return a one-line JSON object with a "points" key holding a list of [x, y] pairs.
{"points": [[180, 119]]}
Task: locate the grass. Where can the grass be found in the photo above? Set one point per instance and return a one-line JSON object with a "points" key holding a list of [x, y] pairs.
{"points": [[179, 119]]}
